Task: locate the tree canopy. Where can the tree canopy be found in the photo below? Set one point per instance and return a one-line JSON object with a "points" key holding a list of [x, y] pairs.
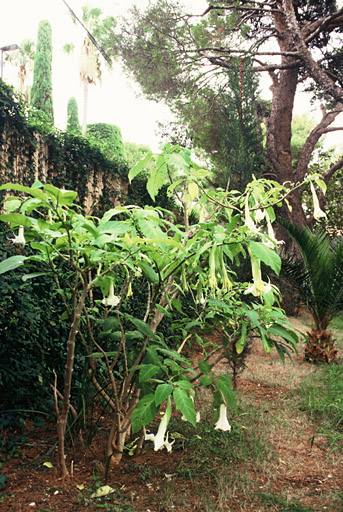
{"points": [[179, 57]]}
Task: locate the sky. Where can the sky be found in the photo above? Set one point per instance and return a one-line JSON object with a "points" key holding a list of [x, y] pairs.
{"points": [[117, 100]]}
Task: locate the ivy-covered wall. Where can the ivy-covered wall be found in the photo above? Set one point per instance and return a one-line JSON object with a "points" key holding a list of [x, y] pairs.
{"points": [[30, 150]]}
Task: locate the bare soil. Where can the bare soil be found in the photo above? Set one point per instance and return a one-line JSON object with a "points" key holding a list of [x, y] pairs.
{"points": [[300, 472]]}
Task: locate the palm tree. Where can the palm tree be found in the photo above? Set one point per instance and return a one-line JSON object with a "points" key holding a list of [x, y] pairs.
{"points": [[90, 65], [23, 58], [318, 276]]}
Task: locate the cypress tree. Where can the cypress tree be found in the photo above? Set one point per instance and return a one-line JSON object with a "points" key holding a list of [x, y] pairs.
{"points": [[41, 93], [73, 124]]}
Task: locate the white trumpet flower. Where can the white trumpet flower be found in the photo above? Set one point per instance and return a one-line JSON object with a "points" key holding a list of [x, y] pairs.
{"points": [[257, 287], [111, 300], [222, 423], [271, 243], [161, 440], [317, 211], [19, 239], [167, 444], [259, 215]]}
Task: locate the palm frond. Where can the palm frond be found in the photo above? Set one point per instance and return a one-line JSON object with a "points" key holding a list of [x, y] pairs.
{"points": [[317, 273]]}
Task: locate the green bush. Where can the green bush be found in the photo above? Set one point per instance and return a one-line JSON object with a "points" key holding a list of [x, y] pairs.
{"points": [[109, 139], [32, 340]]}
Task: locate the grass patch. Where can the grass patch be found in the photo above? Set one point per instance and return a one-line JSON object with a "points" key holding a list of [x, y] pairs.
{"points": [[207, 448], [284, 505], [322, 398]]}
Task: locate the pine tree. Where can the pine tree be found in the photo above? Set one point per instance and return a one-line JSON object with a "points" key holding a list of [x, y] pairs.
{"points": [[240, 155], [41, 93], [73, 124]]}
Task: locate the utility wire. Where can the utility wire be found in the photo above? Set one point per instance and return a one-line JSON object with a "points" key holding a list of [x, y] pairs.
{"points": [[91, 37]]}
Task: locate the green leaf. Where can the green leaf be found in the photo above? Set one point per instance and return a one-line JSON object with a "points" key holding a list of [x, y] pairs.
{"points": [[148, 272], [45, 249], [231, 225], [265, 341], [283, 332], [150, 228], [148, 371], [99, 355], [158, 178], [193, 190], [12, 263], [224, 386], [321, 184], [172, 353], [174, 185], [111, 323], [35, 192], [142, 326], [136, 169], [253, 317], [113, 227], [177, 305], [183, 384], [144, 413], [162, 392], [16, 219], [206, 380], [175, 367], [12, 203], [267, 255], [164, 311], [133, 335], [185, 404], [204, 367]]}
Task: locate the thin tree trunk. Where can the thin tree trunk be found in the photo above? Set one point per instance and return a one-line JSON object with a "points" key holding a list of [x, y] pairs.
{"points": [[63, 416]]}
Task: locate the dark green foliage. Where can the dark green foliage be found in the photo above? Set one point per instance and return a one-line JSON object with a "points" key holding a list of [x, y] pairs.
{"points": [[108, 137], [71, 159], [334, 206], [73, 124], [41, 92], [17, 138], [241, 152], [32, 339], [74, 159]]}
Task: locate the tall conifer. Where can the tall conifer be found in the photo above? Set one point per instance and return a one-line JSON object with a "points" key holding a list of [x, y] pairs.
{"points": [[41, 93], [73, 124]]}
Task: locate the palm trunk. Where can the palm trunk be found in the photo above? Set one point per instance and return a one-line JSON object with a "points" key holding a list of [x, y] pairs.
{"points": [[85, 106]]}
